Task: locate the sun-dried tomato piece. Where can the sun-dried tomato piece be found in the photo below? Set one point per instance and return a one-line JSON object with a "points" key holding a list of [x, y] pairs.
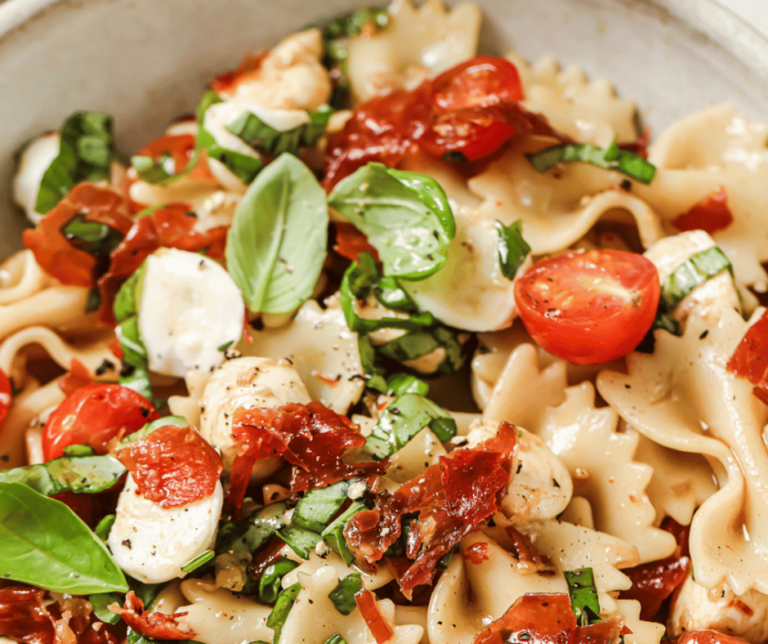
{"points": [[5, 395], [477, 553], [546, 619], [708, 637], [710, 214], [173, 466], [78, 376], [55, 254], [180, 148], [350, 242], [156, 626], [529, 558], [380, 628], [750, 359], [171, 226], [452, 498], [310, 437], [640, 145]]}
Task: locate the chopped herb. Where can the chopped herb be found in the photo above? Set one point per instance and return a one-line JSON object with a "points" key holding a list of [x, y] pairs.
{"points": [[199, 561], [693, 272], [513, 249], [343, 596], [283, 605], [583, 593], [270, 582], [301, 541]]}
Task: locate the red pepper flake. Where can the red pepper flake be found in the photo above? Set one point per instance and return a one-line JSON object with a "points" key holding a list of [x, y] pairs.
{"points": [[547, 619], [153, 625], [750, 359], [310, 437], [78, 376], [477, 553], [452, 498], [173, 466], [710, 214], [350, 242], [380, 628], [708, 637]]}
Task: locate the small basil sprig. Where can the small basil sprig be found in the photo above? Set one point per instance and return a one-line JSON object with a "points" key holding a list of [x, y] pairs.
{"points": [[277, 243], [343, 595], [252, 532], [270, 582], [198, 562], [333, 535], [254, 132], [45, 544], [335, 639], [78, 474], [283, 605], [317, 507], [300, 540], [691, 273], [513, 249], [610, 158], [86, 152], [405, 417], [583, 594], [404, 215]]}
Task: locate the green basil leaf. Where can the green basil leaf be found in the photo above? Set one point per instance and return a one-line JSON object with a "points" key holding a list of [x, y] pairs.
{"points": [[250, 533], [199, 561], [78, 450], [156, 171], [165, 421], [422, 342], [335, 639], [45, 544], [403, 383], [283, 605], [104, 527], [317, 507], [610, 158], [78, 474], [404, 215], [403, 419], [86, 152], [101, 605], [92, 237], [334, 533], [254, 132], [277, 243], [583, 594], [693, 272], [269, 584], [445, 560], [209, 98], [244, 166], [513, 249], [373, 372], [343, 596], [301, 541], [134, 637], [353, 23]]}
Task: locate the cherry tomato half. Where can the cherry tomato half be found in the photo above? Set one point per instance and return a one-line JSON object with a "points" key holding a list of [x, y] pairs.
{"points": [[5, 395], [479, 82], [93, 415], [589, 307], [471, 133]]}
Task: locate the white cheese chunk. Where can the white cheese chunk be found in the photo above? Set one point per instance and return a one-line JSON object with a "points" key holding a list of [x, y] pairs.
{"points": [[35, 159], [190, 310], [152, 543]]}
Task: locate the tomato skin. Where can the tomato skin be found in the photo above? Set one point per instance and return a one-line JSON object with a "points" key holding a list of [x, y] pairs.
{"points": [[181, 147], [94, 415], [710, 214], [589, 307], [478, 82], [472, 133], [5, 395]]}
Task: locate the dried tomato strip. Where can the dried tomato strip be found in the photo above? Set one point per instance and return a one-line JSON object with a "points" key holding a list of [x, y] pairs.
{"points": [[154, 625], [350, 242], [710, 214], [380, 628], [78, 376], [750, 359], [173, 466]]}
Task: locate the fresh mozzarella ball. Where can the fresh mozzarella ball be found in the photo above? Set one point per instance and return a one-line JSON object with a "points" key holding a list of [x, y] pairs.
{"points": [[152, 543], [698, 608], [710, 298], [35, 159], [246, 383], [540, 487], [190, 310]]}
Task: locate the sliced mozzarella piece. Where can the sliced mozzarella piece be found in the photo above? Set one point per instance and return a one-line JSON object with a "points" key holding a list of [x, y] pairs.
{"points": [[35, 159], [246, 383], [540, 487], [698, 608], [190, 311], [469, 292], [151, 543], [323, 351], [706, 300]]}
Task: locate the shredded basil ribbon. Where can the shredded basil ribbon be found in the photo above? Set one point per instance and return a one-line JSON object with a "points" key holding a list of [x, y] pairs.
{"points": [[283, 605], [583, 594], [86, 152], [610, 158], [78, 474], [252, 532], [693, 272], [335, 639], [513, 249], [269, 584], [343, 595], [198, 562]]}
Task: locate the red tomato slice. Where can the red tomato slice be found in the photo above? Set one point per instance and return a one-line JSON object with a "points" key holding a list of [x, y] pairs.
{"points": [[479, 82], [709, 637], [94, 415], [5, 395], [469, 132], [710, 214], [589, 307]]}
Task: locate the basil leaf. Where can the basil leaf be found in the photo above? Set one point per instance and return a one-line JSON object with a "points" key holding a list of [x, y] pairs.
{"points": [[254, 132], [343, 596], [317, 507], [422, 342], [334, 533], [403, 419], [610, 158], [277, 243], [513, 249], [335, 639], [104, 527], [157, 171], [92, 237], [283, 605], [199, 561], [45, 544], [78, 474], [374, 373], [209, 98], [165, 421], [692, 273], [404, 215], [583, 594], [78, 450], [301, 541], [243, 166], [403, 383], [269, 584], [86, 152], [101, 605], [250, 533]]}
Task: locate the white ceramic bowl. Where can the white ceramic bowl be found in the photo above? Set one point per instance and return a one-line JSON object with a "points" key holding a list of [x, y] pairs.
{"points": [[147, 61]]}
